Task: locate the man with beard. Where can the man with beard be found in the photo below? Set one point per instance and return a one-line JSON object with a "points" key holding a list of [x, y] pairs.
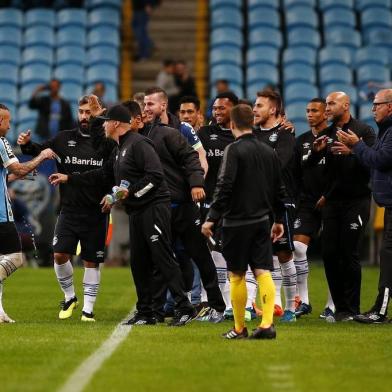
{"points": [[79, 150]]}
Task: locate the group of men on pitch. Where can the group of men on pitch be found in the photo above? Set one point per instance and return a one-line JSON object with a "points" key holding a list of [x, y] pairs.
{"points": [[262, 195]]}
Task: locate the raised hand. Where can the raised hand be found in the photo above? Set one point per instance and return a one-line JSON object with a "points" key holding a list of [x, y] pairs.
{"points": [[24, 138]]}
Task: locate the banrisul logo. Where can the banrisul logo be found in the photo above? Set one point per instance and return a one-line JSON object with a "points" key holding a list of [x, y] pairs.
{"points": [[84, 162]]}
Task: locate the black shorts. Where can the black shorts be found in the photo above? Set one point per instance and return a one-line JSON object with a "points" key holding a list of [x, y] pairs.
{"points": [[248, 245], [308, 220], [286, 242], [89, 229], [9, 239]]}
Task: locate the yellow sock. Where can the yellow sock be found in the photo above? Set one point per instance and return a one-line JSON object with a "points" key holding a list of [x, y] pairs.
{"points": [[267, 297], [238, 296]]}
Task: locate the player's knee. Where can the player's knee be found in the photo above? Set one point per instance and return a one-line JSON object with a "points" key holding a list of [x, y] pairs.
{"points": [[61, 258], [300, 250], [9, 264]]}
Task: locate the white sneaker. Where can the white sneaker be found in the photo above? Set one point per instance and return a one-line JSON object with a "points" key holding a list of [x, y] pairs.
{"points": [[4, 318]]}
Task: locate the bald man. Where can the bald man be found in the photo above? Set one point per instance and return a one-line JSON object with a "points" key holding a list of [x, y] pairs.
{"points": [[379, 159], [345, 205]]}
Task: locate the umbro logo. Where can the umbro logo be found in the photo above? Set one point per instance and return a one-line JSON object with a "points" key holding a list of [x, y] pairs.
{"points": [[71, 143], [214, 137], [354, 226], [100, 254], [306, 145], [197, 222], [297, 223], [154, 237]]}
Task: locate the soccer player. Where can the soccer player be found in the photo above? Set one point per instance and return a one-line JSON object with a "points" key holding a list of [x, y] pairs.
{"points": [[190, 112], [308, 216], [269, 128], [11, 257], [248, 191], [79, 150]]}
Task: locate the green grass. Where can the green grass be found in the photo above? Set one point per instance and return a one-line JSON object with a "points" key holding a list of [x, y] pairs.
{"points": [[39, 351]]}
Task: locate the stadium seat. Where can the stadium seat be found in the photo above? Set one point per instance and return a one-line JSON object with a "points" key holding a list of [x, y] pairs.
{"points": [[262, 54], [362, 5], [71, 17], [265, 3], [299, 54], [304, 36], [263, 16], [91, 4], [26, 91], [265, 36], [301, 16], [226, 36], [111, 93], [37, 54], [225, 3], [225, 55], [105, 73], [349, 89], [365, 111], [71, 35], [70, 73], [25, 114], [376, 17], [298, 72], [35, 73], [39, 17], [23, 126], [301, 91], [103, 54], [381, 37], [10, 35], [296, 111], [335, 73], [253, 88], [11, 17], [8, 94], [71, 91], [10, 55], [263, 73], [103, 35], [230, 72], [371, 55], [226, 17], [326, 5], [104, 17], [335, 55], [287, 4], [301, 126], [372, 73], [8, 73], [338, 17], [71, 54], [345, 37], [39, 35]]}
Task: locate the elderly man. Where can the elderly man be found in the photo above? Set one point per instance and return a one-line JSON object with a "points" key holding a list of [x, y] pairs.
{"points": [[379, 159]]}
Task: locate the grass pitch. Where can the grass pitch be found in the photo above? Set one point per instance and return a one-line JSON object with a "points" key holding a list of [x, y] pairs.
{"points": [[40, 352]]}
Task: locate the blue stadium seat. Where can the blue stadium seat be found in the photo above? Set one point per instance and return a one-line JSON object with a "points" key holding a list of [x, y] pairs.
{"points": [[225, 55], [230, 72], [39, 35], [8, 94], [262, 54], [296, 111], [304, 36], [345, 37], [254, 87], [226, 36], [91, 4], [338, 17], [265, 36], [225, 3], [287, 4], [380, 36], [10, 35], [263, 16], [71, 17], [111, 93], [335, 73], [301, 16], [70, 73], [371, 55], [26, 91], [23, 126], [103, 35], [37, 54], [372, 72], [226, 17], [325, 5], [376, 17], [300, 91], [335, 55], [104, 17], [11, 17], [299, 54], [295, 73], [105, 73], [262, 73], [39, 17], [8, 73], [103, 54], [71, 35], [349, 89], [365, 111], [362, 5], [265, 3], [10, 55], [71, 91], [25, 113], [71, 54], [35, 73], [301, 126]]}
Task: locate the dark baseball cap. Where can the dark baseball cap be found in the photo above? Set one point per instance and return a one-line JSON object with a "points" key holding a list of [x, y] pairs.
{"points": [[117, 113]]}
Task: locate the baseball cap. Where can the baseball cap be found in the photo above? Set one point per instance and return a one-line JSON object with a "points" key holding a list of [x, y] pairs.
{"points": [[117, 113]]}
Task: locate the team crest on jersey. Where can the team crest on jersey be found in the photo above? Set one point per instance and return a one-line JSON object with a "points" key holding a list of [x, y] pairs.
{"points": [[71, 143], [55, 240], [214, 137], [354, 226], [273, 137], [306, 145], [297, 223]]}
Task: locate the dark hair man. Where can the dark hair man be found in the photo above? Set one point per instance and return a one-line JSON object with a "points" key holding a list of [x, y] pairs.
{"points": [[79, 150], [345, 206], [378, 159], [11, 257], [248, 191], [190, 112]]}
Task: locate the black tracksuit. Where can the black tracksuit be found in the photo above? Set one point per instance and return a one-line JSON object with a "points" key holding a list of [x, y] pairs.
{"points": [[345, 215], [147, 205], [183, 171]]}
